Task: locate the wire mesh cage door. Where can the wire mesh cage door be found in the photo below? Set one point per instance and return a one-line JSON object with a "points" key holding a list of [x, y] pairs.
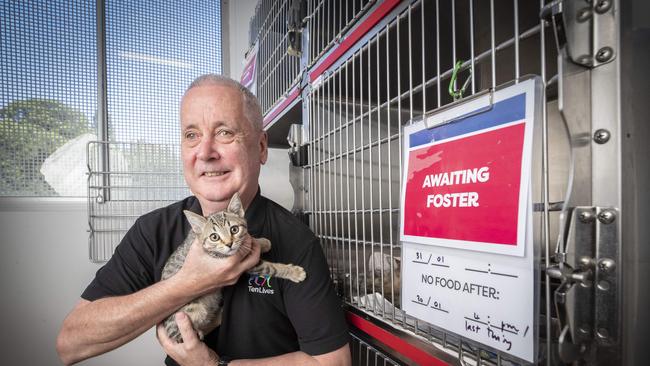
{"points": [[399, 72], [125, 181], [279, 71]]}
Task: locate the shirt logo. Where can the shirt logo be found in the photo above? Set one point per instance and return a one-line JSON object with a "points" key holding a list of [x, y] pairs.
{"points": [[260, 284]]}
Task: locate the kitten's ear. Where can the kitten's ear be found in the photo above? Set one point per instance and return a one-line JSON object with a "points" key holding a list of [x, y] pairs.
{"points": [[235, 205], [196, 221]]}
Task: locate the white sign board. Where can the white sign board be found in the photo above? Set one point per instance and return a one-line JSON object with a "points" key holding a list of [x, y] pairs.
{"points": [[468, 255]]}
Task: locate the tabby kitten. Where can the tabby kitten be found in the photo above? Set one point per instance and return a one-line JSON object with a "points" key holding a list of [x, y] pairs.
{"points": [[221, 235]]}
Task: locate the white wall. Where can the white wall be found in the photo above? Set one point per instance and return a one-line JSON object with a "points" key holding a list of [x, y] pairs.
{"points": [[44, 268], [44, 264]]}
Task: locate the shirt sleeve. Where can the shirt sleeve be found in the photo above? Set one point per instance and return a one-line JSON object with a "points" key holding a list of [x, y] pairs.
{"points": [[129, 269], [313, 307]]}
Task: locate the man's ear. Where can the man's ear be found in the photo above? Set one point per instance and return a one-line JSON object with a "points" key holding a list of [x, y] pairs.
{"points": [[197, 222], [264, 147]]}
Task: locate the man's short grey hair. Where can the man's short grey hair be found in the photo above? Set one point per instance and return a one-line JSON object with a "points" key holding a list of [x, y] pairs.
{"points": [[252, 108]]}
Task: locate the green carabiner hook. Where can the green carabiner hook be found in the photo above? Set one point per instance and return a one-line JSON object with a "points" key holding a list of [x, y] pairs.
{"points": [[453, 92]]}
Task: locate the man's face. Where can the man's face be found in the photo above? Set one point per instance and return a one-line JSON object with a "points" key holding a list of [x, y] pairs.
{"points": [[221, 151]]}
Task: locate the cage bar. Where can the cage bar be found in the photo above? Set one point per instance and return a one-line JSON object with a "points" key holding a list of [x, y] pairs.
{"points": [[143, 177]]}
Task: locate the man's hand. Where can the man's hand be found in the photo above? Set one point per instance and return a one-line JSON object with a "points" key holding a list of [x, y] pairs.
{"points": [[192, 351], [205, 273]]}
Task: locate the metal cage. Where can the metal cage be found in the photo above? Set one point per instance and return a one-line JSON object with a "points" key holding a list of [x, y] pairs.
{"points": [[279, 71], [364, 353], [398, 71], [329, 21], [125, 181]]}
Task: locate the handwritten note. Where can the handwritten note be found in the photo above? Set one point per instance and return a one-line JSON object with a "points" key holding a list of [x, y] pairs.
{"points": [[484, 297]]}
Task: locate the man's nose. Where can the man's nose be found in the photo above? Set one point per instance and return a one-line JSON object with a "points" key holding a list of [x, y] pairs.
{"points": [[207, 148]]}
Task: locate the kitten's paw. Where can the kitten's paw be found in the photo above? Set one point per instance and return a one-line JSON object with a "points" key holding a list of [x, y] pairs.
{"points": [[265, 244], [298, 274], [173, 332]]}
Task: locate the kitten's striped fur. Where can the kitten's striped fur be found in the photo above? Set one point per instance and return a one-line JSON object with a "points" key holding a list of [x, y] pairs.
{"points": [[221, 235]]}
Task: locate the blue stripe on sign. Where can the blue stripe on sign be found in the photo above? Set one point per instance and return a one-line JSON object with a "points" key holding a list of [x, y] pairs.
{"points": [[505, 111]]}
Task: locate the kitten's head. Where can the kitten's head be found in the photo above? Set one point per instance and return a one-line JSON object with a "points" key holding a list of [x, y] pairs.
{"points": [[222, 233]]}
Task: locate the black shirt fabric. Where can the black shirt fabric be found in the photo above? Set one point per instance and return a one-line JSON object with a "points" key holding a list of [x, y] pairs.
{"points": [[262, 316]]}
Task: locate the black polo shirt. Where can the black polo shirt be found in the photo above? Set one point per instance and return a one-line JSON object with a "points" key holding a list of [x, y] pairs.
{"points": [[262, 317]]}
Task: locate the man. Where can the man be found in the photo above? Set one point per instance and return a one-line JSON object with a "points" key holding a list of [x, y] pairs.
{"points": [[265, 320]]}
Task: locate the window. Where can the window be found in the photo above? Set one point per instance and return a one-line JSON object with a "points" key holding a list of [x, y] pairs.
{"points": [[48, 95], [154, 50], [48, 71]]}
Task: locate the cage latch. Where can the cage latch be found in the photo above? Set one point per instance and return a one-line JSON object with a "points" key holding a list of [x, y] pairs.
{"points": [[297, 149], [586, 298], [584, 28]]}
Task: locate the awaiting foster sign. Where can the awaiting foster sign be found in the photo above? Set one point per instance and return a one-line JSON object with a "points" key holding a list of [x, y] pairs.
{"points": [[465, 183]]}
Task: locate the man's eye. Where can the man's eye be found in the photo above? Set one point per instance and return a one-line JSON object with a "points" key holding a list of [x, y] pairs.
{"points": [[225, 136], [190, 135]]}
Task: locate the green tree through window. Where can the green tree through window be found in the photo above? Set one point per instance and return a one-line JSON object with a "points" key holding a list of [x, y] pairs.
{"points": [[30, 131]]}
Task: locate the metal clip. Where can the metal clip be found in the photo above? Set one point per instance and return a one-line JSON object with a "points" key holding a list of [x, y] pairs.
{"points": [[455, 93]]}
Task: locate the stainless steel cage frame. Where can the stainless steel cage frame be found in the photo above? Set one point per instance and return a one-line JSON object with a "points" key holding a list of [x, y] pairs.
{"points": [[355, 104], [356, 112], [125, 181]]}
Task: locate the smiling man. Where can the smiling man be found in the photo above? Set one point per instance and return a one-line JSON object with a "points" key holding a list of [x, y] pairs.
{"points": [[266, 320], [222, 151]]}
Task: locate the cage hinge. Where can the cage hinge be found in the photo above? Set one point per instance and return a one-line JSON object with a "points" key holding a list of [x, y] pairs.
{"points": [[586, 300], [586, 28], [298, 150]]}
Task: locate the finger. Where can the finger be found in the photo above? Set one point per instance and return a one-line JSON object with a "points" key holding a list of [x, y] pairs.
{"points": [[163, 338], [185, 327], [195, 246], [191, 253]]}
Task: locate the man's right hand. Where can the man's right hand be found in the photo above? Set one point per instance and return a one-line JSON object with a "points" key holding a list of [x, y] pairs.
{"points": [[204, 273]]}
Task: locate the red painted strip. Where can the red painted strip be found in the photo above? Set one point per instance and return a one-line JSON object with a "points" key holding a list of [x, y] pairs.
{"points": [[290, 98], [374, 18], [390, 340]]}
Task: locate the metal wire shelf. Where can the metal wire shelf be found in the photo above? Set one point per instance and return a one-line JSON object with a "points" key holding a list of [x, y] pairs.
{"points": [[125, 181]]}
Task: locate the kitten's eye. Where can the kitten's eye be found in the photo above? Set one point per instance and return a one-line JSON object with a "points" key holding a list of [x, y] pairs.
{"points": [[214, 237], [234, 229]]}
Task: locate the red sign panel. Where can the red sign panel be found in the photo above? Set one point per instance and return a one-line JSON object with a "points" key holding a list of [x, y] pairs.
{"points": [[467, 188]]}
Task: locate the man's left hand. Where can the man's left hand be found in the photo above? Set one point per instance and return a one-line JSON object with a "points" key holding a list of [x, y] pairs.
{"points": [[192, 351]]}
